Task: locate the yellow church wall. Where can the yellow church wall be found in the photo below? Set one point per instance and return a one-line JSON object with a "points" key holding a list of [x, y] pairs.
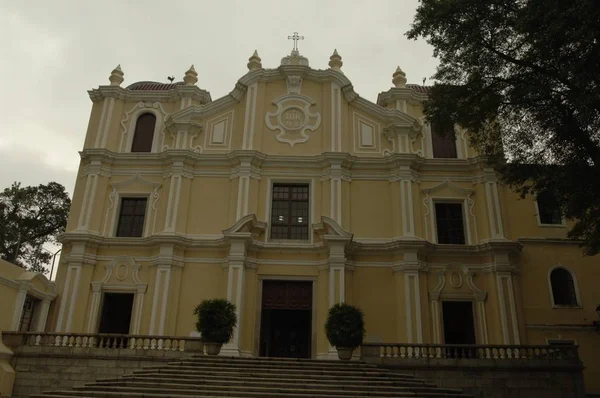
{"points": [[92, 129], [536, 261], [373, 291], [7, 306], [370, 200]]}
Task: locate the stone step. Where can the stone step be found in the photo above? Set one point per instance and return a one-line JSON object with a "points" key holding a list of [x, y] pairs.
{"points": [[246, 369], [274, 364], [387, 391], [303, 361], [269, 392], [271, 378], [275, 377], [203, 394], [203, 377]]}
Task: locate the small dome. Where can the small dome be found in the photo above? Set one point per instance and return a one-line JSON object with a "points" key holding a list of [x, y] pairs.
{"points": [[153, 86]]}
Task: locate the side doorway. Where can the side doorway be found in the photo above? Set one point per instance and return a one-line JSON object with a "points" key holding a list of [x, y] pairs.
{"points": [[115, 317]]}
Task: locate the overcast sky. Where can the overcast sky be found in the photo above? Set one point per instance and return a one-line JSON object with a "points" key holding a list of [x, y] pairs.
{"points": [[51, 53]]}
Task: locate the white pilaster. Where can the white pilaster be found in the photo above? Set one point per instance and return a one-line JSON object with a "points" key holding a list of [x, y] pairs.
{"points": [[249, 117], [87, 204], [494, 214], [407, 211], [19, 303], [94, 307], [173, 203], [43, 315], [235, 291]]}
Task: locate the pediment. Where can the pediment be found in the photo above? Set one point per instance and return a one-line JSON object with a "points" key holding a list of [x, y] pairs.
{"points": [[246, 225], [450, 186], [330, 228], [133, 180], [391, 119]]}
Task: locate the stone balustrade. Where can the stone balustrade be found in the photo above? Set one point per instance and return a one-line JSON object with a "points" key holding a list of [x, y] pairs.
{"points": [[370, 352], [104, 341]]}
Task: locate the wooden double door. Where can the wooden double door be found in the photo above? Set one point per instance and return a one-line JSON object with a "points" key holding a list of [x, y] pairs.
{"points": [[286, 319]]}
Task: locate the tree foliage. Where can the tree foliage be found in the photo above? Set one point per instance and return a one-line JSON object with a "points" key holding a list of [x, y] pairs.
{"points": [[29, 217], [522, 77]]}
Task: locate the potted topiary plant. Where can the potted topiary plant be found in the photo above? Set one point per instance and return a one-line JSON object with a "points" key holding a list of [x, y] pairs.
{"points": [[216, 321], [345, 329]]}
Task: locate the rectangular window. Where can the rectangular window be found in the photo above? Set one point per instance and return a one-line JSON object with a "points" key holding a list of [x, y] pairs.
{"points": [[27, 315], [548, 209], [449, 223], [443, 141], [289, 211], [131, 217]]}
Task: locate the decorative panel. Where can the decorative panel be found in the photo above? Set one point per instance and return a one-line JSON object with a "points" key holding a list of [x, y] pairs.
{"points": [[287, 295], [367, 135], [218, 132]]}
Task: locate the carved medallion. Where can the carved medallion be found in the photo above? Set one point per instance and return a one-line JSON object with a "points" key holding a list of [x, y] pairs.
{"points": [[293, 118]]}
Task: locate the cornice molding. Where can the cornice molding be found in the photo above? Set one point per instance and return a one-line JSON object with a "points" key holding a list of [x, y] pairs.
{"points": [[173, 95], [401, 93], [243, 162]]}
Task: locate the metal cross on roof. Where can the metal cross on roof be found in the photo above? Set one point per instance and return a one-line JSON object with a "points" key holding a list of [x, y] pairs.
{"points": [[295, 38]]}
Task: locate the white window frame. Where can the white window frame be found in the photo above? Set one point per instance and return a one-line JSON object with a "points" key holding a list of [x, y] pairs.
{"points": [[134, 114], [465, 218], [577, 296], [115, 224], [311, 207]]}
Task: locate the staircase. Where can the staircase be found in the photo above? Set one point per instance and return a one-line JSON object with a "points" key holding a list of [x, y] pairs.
{"points": [[203, 376]]}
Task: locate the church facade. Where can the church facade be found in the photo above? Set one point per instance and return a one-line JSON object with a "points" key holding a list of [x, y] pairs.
{"points": [[293, 193]]}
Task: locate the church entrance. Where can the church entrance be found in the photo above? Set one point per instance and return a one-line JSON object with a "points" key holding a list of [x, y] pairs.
{"points": [[286, 319], [459, 327], [116, 313]]}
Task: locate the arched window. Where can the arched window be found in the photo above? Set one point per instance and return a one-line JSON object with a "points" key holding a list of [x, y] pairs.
{"points": [[563, 288], [144, 133]]}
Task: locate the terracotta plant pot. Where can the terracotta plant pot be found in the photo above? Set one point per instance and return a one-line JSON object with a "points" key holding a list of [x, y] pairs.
{"points": [[213, 348], [344, 353]]}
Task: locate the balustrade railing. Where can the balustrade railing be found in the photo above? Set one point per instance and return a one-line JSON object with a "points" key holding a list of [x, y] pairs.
{"points": [[466, 352], [107, 341]]}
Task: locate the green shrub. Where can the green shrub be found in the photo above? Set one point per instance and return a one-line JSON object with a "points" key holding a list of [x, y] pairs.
{"points": [[345, 326], [216, 320]]}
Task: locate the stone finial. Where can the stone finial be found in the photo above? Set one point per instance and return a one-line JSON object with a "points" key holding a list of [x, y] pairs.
{"points": [[254, 62], [335, 61], [191, 76], [399, 78], [116, 76]]}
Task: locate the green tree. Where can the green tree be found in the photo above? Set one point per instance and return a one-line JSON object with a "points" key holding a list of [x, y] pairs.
{"points": [[29, 217], [522, 77]]}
